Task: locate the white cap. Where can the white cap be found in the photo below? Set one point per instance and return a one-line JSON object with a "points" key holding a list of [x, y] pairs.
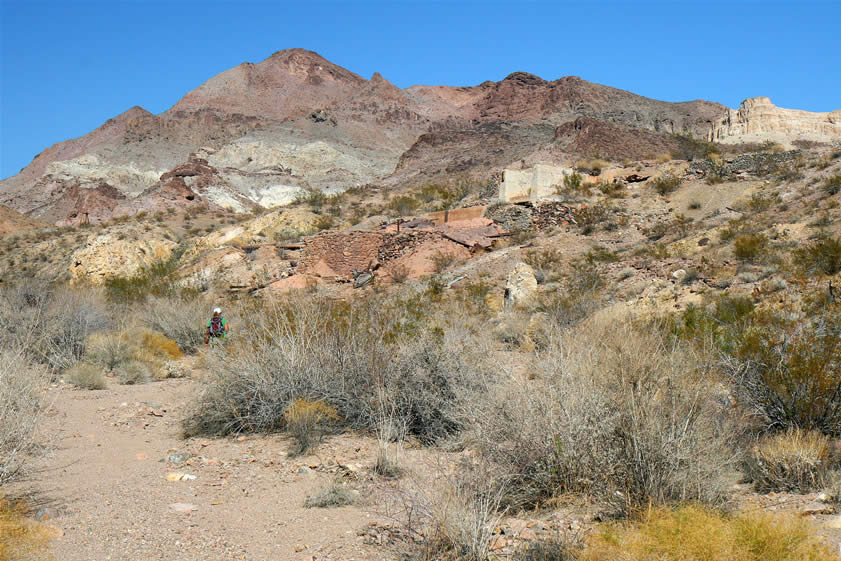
{"points": [[217, 310]]}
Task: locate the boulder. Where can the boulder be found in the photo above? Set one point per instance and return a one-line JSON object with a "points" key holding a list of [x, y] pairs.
{"points": [[521, 287]]}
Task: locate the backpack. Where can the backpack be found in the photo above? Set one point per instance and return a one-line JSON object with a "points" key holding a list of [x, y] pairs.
{"points": [[216, 327]]}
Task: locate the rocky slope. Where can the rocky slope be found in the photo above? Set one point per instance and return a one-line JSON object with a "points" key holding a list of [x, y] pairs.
{"points": [[258, 134], [759, 120]]}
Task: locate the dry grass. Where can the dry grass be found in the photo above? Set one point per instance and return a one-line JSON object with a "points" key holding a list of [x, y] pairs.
{"points": [[794, 460], [452, 517], [22, 539], [694, 533], [155, 349]]}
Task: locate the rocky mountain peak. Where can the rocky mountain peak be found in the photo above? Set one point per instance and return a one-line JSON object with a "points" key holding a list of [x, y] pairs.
{"points": [[525, 79]]}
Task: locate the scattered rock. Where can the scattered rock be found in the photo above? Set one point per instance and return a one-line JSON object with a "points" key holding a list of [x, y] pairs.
{"points": [[183, 507], [815, 508]]}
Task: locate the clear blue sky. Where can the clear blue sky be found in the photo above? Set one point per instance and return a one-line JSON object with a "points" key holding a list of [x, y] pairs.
{"points": [[68, 66]]}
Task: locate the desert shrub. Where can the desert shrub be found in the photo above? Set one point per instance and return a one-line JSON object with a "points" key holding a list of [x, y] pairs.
{"points": [[573, 181], [612, 412], [750, 247], [324, 222], [554, 548], [50, 324], [692, 148], [333, 495], [21, 539], [399, 273], [613, 189], [581, 297], [21, 387], [312, 197], [154, 348], [822, 256], [181, 319], [600, 254], [403, 204], [694, 532], [694, 205], [133, 372], [155, 279], [86, 375], [793, 460], [545, 262], [760, 202], [108, 349], [588, 218], [452, 517], [442, 260], [666, 183], [308, 421], [785, 371], [354, 357]]}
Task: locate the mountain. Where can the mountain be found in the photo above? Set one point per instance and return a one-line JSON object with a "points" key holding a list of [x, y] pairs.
{"points": [[257, 134]]}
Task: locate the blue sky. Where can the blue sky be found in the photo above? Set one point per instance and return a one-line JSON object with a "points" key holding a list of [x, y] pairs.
{"points": [[66, 67]]}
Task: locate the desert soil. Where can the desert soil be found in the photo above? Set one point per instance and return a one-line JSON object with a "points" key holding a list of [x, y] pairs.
{"points": [[103, 483]]}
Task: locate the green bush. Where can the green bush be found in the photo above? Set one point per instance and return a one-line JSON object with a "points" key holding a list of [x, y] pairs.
{"points": [[822, 256], [786, 373], [666, 183], [750, 247]]}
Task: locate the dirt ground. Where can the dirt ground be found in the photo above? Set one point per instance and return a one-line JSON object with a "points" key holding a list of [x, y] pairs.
{"points": [[103, 483]]}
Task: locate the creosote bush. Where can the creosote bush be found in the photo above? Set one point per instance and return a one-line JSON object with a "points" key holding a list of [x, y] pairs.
{"points": [[822, 256], [666, 183]]}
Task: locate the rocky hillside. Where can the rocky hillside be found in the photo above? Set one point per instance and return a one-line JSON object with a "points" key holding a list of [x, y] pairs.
{"points": [[258, 135]]}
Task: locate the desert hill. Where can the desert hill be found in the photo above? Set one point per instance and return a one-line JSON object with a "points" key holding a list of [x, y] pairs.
{"points": [[258, 135]]}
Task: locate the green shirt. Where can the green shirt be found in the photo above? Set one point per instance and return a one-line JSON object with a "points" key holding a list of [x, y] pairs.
{"points": [[224, 332]]}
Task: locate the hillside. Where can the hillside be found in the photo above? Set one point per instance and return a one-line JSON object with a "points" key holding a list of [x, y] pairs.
{"points": [[261, 133]]}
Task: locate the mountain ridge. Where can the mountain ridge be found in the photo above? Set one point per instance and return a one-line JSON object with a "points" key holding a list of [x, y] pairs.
{"points": [[296, 120]]}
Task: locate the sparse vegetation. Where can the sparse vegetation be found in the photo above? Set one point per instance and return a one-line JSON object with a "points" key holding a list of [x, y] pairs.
{"points": [[86, 376], [333, 495], [666, 183], [793, 460]]}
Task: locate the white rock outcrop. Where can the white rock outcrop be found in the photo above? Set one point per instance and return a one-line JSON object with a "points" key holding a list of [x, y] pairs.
{"points": [[759, 120], [521, 286]]}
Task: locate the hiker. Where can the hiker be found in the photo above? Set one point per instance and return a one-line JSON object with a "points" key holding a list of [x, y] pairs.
{"points": [[216, 327]]}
